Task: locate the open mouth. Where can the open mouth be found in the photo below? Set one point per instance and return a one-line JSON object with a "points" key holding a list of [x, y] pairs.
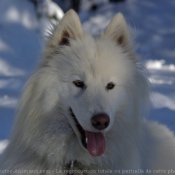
{"points": [[80, 129], [94, 142]]}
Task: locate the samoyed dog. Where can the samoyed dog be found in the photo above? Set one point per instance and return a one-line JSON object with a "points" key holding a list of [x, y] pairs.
{"points": [[81, 110]]}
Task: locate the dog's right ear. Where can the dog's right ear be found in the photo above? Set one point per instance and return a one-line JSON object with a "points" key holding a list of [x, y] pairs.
{"points": [[69, 28]]}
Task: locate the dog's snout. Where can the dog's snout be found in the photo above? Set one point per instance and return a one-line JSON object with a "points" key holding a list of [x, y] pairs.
{"points": [[100, 121]]}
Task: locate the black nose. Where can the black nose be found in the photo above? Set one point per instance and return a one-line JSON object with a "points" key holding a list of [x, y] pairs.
{"points": [[100, 121]]}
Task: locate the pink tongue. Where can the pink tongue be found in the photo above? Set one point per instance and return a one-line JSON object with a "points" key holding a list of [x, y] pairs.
{"points": [[95, 143]]}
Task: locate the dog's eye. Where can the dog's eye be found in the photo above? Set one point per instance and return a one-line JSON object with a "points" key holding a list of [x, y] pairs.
{"points": [[79, 84], [110, 86]]}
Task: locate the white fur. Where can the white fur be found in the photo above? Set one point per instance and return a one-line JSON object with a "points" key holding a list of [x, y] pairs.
{"points": [[44, 136]]}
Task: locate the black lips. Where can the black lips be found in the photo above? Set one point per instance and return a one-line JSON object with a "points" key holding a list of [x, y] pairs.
{"points": [[80, 129]]}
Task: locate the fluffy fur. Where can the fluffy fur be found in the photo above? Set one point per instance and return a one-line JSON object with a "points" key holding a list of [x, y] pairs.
{"points": [[45, 136]]}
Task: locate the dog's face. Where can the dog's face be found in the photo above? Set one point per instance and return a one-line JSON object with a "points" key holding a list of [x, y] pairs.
{"points": [[95, 83], [94, 77]]}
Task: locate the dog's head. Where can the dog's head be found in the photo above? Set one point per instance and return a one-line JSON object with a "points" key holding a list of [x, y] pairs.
{"points": [[96, 80]]}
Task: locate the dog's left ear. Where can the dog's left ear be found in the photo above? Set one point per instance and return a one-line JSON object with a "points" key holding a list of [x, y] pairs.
{"points": [[118, 31], [69, 28]]}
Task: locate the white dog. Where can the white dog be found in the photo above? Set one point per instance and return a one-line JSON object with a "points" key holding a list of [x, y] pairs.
{"points": [[81, 111]]}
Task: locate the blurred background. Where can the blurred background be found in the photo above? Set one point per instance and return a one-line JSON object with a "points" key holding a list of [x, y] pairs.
{"points": [[23, 26]]}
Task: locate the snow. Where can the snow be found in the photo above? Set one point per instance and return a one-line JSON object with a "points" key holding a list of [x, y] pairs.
{"points": [[7, 70], [8, 102], [3, 145], [21, 39], [50, 9], [163, 101], [160, 65]]}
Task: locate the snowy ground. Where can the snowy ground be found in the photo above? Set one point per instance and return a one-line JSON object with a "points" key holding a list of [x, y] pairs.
{"points": [[20, 46]]}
